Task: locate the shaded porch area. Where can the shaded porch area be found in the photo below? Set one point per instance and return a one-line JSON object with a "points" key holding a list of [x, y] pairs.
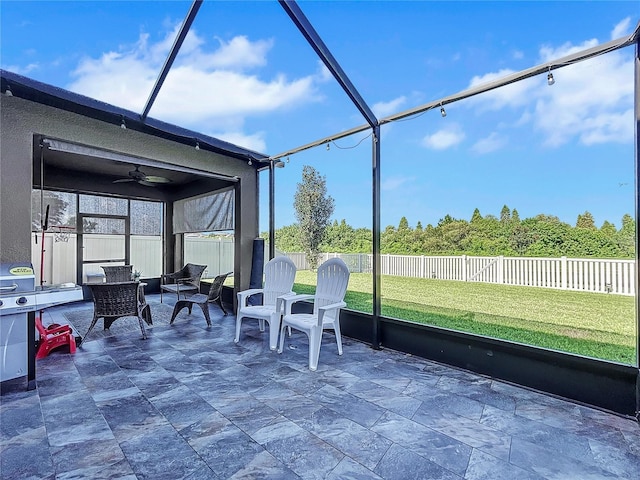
{"points": [[189, 403]]}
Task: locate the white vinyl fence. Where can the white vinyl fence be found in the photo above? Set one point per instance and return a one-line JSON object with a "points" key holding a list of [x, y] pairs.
{"points": [[146, 255], [582, 274], [215, 252]]}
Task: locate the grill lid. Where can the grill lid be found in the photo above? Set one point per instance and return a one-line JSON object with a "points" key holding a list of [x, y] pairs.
{"points": [[17, 277]]}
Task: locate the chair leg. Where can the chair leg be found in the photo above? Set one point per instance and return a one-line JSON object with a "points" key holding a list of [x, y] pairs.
{"points": [[282, 328], [336, 329], [238, 326], [176, 309], [315, 341], [274, 330], [219, 302], [146, 314], [141, 322], [205, 309], [72, 343], [93, 324]]}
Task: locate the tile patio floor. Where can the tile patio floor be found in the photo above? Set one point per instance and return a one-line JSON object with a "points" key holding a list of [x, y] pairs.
{"points": [[188, 403]]}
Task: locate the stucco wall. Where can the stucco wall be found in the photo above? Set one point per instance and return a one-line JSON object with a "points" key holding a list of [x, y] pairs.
{"points": [[20, 120]]}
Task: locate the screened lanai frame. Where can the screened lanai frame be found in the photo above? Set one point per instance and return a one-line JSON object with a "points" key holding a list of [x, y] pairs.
{"points": [[554, 372], [581, 379]]}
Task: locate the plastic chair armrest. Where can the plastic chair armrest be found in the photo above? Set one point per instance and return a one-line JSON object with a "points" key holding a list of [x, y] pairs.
{"points": [[281, 300], [57, 329], [289, 300], [327, 308], [245, 294]]}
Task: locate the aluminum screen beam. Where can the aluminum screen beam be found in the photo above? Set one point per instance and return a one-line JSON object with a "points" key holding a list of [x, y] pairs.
{"points": [[184, 29], [307, 30], [521, 75]]}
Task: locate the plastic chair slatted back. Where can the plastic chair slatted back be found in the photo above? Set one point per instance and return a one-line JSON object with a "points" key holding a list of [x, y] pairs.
{"points": [[280, 273], [333, 278]]}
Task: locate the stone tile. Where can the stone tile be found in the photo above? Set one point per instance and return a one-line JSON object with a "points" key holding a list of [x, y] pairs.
{"points": [[181, 407], [27, 457], [264, 466], [619, 461], [163, 454], [402, 463], [305, 454], [548, 464], [91, 458], [466, 431], [354, 408], [555, 439], [132, 416], [20, 414], [483, 466], [249, 414], [348, 469], [227, 451], [384, 397], [442, 402], [153, 382], [434, 446], [352, 439], [207, 425]]}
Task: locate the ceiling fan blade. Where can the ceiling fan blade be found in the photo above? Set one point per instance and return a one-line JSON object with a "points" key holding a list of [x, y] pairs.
{"points": [[123, 180], [156, 179], [147, 184]]}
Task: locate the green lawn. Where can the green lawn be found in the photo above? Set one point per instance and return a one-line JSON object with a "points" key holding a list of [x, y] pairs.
{"points": [[591, 324]]}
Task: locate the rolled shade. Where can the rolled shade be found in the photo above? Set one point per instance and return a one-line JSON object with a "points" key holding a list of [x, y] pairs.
{"points": [[212, 212]]}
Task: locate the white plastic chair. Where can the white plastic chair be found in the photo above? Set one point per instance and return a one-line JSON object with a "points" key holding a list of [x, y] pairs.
{"points": [[333, 278], [279, 274]]}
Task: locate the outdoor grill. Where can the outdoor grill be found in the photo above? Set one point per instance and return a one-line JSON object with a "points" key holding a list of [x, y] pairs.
{"points": [[19, 301]]}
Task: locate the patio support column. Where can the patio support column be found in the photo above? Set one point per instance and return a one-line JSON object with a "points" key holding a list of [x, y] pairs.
{"points": [[375, 146], [637, 202], [272, 220]]}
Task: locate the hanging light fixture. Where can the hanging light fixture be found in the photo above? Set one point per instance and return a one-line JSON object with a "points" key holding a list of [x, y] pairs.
{"points": [[443, 112], [250, 162], [328, 146], [550, 79], [197, 145], [8, 91], [122, 124]]}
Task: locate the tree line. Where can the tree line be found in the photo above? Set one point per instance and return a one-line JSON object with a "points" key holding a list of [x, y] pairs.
{"points": [[539, 236]]}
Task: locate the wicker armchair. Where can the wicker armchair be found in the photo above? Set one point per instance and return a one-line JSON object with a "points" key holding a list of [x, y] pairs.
{"points": [[119, 273], [184, 281], [202, 300], [114, 300]]}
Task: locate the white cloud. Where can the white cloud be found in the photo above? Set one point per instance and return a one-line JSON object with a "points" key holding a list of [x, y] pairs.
{"points": [[513, 95], [23, 70], [324, 75], [621, 29], [254, 141], [590, 101], [489, 144], [444, 138], [393, 183], [384, 109], [207, 89], [518, 54]]}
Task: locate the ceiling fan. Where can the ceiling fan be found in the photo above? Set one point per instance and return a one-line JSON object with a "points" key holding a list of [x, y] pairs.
{"points": [[143, 179]]}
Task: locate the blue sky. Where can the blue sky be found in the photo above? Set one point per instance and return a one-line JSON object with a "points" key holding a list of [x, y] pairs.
{"points": [[245, 74]]}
